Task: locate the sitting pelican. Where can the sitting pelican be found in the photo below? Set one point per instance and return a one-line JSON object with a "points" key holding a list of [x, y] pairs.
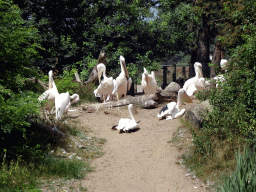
{"points": [[126, 124], [172, 110], [62, 103], [106, 85], [121, 83], [197, 83], [51, 92], [148, 82]]}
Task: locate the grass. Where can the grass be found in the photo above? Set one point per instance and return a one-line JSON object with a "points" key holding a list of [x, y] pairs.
{"points": [[243, 178], [210, 171], [67, 162]]}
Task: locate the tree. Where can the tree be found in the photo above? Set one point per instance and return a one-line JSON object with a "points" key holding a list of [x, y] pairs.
{"points": [[81, 29], [17, 50], [18, 46]]}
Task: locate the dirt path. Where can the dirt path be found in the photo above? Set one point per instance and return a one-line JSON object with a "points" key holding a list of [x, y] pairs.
{"points": [[140, 161]]}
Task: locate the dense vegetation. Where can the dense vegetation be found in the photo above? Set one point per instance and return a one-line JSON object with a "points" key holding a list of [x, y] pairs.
{"points": [[67, 36]]}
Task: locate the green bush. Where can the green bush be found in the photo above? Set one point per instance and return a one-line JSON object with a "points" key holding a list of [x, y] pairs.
{"points": [[233, 117]]}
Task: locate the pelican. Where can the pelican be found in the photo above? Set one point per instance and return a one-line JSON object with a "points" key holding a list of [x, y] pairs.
{"points": [[148, 82], [197, 83], [51, 92], [172, 110], [224, 64], [220, 77], [121, 84], [126, 124], [62, 103], [106, 85]]}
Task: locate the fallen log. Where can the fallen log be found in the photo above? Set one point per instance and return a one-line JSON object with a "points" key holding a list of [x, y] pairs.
{"points": [[145, 101]]}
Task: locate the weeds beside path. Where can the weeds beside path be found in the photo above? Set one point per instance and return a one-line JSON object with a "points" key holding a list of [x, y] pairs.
{"points": [[138, 161]]}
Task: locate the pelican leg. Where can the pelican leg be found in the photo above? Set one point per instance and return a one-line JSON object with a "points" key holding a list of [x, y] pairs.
{"points": [[104, 99]]}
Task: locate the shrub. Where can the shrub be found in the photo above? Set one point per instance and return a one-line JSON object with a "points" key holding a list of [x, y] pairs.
{"points": [[234, 103]]}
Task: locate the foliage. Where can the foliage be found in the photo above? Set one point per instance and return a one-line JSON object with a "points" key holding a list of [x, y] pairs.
{"points": [[172, 27], [66, 82], [84, 28], [239, 22], [16, 177], [243, 178], [17, 47], [15, 109], [231, 123], [17, 104]]}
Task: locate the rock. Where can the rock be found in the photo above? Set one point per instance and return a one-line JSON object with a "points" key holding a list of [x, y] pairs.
{"points": [[193, 115], [149, 104], [171, 90], [173, 87]]}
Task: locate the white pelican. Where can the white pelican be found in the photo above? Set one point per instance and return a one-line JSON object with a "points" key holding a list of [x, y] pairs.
{"points": [[52, 91], [62, 103], [120, 83], [126, 124], [106, 85], [172, 110], [220, 77], [224, 64], [197, 83], [148, 82]]}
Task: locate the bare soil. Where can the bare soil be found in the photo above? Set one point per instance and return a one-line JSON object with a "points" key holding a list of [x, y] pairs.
{"points": [[140, 161]]}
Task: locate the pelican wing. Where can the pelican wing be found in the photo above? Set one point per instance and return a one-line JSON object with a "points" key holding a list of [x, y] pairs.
{"points": [[62, 102], [129, 84], [167, 109], [191, 89], [175, 115], [116, 87]]}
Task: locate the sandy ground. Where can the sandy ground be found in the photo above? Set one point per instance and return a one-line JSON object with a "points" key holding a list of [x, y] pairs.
{"points": [[140, 161]]}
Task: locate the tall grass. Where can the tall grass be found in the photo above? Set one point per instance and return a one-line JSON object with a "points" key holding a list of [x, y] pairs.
{"points": [[243, 179]]}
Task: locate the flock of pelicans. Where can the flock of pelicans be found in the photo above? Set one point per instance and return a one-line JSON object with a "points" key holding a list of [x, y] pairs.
{"points": [[110, 88]]}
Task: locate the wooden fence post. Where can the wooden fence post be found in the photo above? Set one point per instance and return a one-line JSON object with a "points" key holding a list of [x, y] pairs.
{"points": [[164, 77], [174, 73]]}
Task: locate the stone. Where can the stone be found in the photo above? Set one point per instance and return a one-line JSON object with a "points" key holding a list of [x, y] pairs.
{"points": [[193, 115], [171, 90]]}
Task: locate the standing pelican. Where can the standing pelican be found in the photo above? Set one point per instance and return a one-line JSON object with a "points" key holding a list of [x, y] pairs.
{"points": [[120, 83], [51, 92], [148, 82], [126, 124], [106, 85], [197, 83], [172, 110], [62, 103]]}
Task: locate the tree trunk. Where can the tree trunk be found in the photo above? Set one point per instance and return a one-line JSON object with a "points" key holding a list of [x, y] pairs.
{"points": [[204, 46], [193, 59], [218, 54]]}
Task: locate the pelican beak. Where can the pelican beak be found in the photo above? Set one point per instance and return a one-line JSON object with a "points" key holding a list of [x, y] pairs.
{"points": [[186, 98], [99, 76]]}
